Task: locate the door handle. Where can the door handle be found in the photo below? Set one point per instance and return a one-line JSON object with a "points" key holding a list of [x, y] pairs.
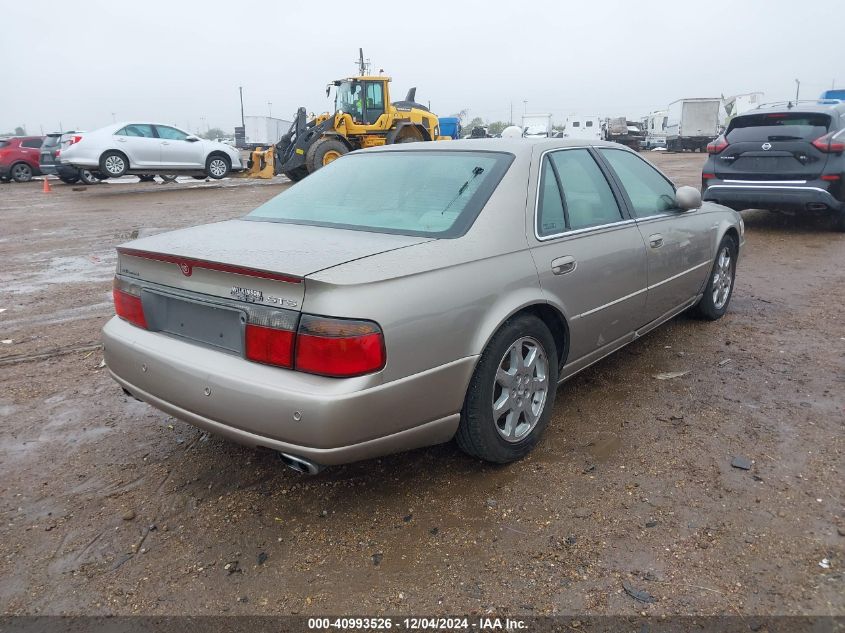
{"points": [[655, 241], [563, 265], [120, 140], [165, 143]]}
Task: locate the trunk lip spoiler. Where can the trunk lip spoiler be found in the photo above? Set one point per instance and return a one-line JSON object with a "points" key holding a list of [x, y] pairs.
{"points": [[187, 264]]}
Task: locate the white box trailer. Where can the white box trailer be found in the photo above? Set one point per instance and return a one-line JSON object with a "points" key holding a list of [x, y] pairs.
{"points": [[582, 127], [263, 130], [536, 125], [692, 123], [655, 129], [740, 104]]}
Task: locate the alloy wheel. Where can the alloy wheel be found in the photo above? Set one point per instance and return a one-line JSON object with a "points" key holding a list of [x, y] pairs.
{"points": [[520, 389], [115, 165], [217, 167], [722, 278]]}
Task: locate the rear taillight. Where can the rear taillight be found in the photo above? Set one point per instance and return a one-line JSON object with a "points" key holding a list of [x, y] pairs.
{"points": [[828, 145], [714, 147], [338, 347], [58, 153], [708, 176], [269, 336], [127, 302], [74, 139]]}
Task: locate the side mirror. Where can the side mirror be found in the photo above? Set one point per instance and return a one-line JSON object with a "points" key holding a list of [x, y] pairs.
{"points": [[192, 138], [687, 198]]}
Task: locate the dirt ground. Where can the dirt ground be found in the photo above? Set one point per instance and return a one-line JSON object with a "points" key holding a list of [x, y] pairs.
{"points": [[108, 506]]}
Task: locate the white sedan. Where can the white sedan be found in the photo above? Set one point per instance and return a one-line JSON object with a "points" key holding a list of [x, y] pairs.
{"points": [[143, 148]]}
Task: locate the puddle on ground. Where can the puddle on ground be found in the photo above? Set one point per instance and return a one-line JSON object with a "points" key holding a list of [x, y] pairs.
{"points": [[93, 268], [602, 447]]}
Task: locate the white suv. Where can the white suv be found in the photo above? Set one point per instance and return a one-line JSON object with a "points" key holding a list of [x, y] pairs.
{"points": [[143, 148]]}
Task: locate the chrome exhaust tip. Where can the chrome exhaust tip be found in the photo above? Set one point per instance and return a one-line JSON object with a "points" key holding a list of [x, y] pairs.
{"points": [[300, 464]]}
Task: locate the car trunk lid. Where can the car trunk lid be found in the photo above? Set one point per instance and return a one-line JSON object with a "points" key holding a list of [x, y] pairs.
{"points": [[773, 147], [205, 283]]}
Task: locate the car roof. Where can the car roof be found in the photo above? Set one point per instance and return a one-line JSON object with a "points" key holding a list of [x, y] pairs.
{"points": [[515, 146], [825, 106]]}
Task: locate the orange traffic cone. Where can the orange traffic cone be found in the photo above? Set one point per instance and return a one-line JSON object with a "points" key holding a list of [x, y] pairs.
{"points": [[46, 187]]}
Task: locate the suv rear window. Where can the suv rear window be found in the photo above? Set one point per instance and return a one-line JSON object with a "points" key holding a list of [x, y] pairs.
{"points": [[51, 140], [778, 126], [427, 192]]}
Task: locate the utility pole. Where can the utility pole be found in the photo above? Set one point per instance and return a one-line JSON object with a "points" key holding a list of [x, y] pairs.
{"points": [[113, 119], [525, 107], [241, 90], [797, 90], [510, 120], [270, 108]]}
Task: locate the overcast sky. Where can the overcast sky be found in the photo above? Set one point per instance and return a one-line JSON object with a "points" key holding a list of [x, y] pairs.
{"points": [[80, 65]]}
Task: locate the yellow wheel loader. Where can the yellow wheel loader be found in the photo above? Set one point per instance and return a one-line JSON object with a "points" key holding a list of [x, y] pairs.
{"points": [[364, 117]]}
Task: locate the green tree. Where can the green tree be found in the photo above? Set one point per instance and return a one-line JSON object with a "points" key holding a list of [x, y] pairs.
{"points": [[214, 133], [496, 127], [19, 131]]}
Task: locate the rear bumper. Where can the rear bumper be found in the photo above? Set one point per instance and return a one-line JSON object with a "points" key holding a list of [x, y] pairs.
{"points": [[48, 169], [326, 420], [810, 196]]}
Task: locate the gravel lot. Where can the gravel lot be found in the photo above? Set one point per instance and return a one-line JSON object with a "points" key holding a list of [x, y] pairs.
{"points": [[109, 507]]}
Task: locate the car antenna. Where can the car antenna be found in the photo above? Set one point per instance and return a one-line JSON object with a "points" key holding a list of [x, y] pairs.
{"points": [[477, 171]]}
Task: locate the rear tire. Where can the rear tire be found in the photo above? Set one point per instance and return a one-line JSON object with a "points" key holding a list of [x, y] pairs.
{"points": [[323, 152], [147, 178], [217, 166], [720, 284], [114, 164], [166, 178], [87, 178], [510, 396], [69, 181], [21, 172]]}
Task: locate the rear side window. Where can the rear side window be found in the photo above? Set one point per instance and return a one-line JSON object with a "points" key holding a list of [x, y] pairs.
{"points": [[426, 192], [31, 142], [650, 193], [142, 130], [778, 126], [583, 198], [4, 143]]}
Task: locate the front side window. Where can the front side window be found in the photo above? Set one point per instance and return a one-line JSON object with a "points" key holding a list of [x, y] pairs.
{"points": [[142, 130], [650, 193], [427, 193], [589, 124], [171, 133], [576, 124]]}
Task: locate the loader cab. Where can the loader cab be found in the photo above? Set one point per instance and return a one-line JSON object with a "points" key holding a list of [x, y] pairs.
{"points": [[363, 98]]}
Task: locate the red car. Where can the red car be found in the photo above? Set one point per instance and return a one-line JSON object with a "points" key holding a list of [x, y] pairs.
{"points": [[19, 158]]}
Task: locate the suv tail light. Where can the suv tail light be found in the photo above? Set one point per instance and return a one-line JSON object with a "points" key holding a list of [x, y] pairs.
{"points": [[827, 145], [714, 147], [338, 347], [74, 139], [127, 302], [269, 336]]}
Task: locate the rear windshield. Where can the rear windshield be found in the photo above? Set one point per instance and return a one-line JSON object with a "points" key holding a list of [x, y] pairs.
{"points": [[429, 193], [778, 126], [51, 140]]}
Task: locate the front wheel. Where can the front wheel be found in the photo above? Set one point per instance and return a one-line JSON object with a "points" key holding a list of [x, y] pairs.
{"points": [[720, 284], [512, 392], [297, 174], [217, 166], [113, 164], [324, 151]]}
